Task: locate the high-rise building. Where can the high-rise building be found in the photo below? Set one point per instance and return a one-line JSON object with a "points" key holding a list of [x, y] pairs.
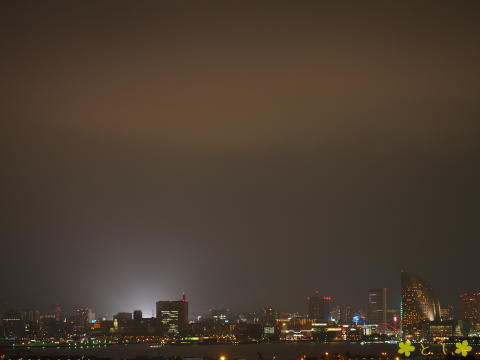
{"points": [[319, 307], [345, 314], [377, 306], [82, 316], [137, 315], [470, 307], [173, 316], [419, 303], [269, 316], [335, 313]]}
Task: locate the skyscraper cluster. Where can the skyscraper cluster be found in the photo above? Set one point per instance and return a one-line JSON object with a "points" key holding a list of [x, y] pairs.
{"points": [[420, 317]]}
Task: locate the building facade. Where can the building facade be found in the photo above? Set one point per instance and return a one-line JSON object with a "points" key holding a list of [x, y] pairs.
{"points": [[419, 304], [377, 306], [173, 316], [345, 314], [319, 307], [470, 307]]}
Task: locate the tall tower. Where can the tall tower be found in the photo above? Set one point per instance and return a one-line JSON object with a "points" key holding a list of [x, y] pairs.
{"points": [[470, 307], [345, 314], [377, 306], [419, 303], [319, 306]]}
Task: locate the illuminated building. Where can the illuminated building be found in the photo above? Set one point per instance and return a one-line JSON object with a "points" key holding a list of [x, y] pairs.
{"points": [[173, 316], [269, 316], [295, 328], [470, 307], [345, 314], [335, 313], [438, 330], [447, 313], [369, 329], [419, 304], [270, 331], [377, 306], [319, 307], [12, 324], [322, 332], [219, 315], [81, 319], [83, 315]]}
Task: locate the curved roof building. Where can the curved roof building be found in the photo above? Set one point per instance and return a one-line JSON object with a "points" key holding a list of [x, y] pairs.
{"points": [[419, 303]]}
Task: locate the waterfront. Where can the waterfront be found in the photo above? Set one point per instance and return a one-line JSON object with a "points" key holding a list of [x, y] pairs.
{"points": [[282, 351]]}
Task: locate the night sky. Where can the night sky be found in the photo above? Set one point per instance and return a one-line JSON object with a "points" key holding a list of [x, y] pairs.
{"points": [[246, 153]]}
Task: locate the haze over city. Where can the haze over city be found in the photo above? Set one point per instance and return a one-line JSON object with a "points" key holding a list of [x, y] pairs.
{"points": [[246, 154]]}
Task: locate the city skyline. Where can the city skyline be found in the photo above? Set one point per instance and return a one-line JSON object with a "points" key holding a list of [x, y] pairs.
{"points": [[419, 319], [377, 307]]}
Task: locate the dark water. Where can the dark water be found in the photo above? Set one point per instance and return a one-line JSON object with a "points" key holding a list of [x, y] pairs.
{"points": [[282, 351]]}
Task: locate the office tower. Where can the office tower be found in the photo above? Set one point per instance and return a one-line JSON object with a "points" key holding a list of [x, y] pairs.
{"points": [[470, 307], [377, 306], [319, 307], [137, 315], [173, 316], [345, 314], [419, 303]]}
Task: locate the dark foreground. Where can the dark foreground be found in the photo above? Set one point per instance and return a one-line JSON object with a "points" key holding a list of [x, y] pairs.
{"points": [[281, 351]]}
